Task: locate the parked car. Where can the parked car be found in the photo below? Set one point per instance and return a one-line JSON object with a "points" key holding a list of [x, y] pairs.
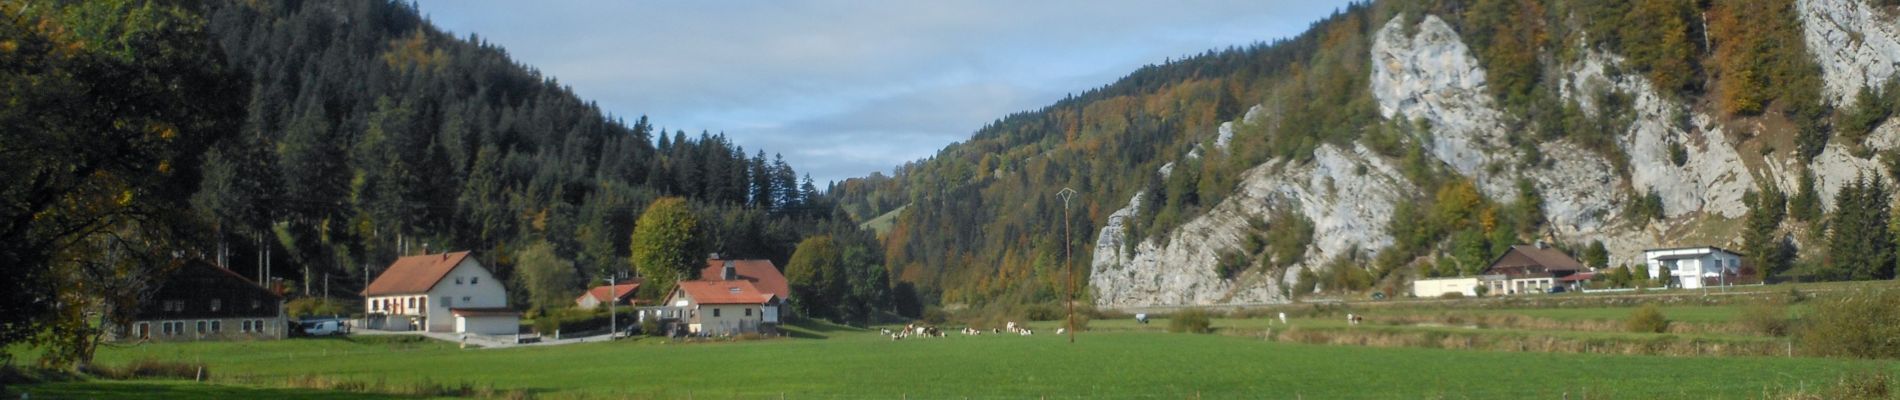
{"points": [[1558, 289], [322, 327]]}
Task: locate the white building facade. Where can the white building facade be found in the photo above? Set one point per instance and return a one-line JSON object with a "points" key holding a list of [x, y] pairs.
{"points": [[422, 292], [1694, 267]]}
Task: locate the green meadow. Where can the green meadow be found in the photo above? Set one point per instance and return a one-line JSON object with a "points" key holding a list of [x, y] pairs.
{"points": [[1119, 360]]}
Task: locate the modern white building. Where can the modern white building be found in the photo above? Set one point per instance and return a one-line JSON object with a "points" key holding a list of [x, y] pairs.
{"points": [[1694, 267], [448, 292]]}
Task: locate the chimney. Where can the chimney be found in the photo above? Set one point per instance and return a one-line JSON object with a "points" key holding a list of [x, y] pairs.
{"points": [[425, 247], [1542, 245], [729, 273]]}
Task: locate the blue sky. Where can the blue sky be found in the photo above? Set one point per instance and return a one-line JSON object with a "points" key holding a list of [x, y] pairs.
{"points": [[845, 88]]}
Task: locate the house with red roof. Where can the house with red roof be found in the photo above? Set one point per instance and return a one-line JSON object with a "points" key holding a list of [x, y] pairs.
{"points": [[621, 294], [722, 307], [447, 292]]}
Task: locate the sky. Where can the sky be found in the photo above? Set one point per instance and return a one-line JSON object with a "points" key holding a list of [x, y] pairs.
{"points": [[845, 88]]}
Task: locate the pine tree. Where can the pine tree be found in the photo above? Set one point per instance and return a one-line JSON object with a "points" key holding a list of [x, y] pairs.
{"points": [[1767, 208]]}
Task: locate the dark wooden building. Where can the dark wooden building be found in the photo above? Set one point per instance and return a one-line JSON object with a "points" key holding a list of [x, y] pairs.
{"points": [[201, 301]]}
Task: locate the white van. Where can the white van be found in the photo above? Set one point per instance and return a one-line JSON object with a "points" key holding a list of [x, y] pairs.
{"points": [[322, 327]]}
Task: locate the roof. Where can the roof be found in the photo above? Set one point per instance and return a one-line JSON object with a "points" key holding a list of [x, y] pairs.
{"points": [[1647, 251], [725, 292], [1578, 277], [414, 274], [620, 291], [763, 275], [484, 312], [1535, 259]]}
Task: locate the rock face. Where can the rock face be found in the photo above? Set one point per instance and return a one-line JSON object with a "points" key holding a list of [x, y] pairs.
{"points": [[1712, 179], [1348, 195], [1432, 76], [1856, 44]]}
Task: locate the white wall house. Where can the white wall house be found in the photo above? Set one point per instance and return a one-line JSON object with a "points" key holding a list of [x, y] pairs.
{"points": [[1428, 288], [721, 308], [424, 292], [1694, 267]]}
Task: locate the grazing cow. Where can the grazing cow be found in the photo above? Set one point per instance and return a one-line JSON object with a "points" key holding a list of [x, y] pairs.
{"points": [[1282, 318], [1012, 327], [1142, 318], [1355, 319], [1061, 330], [1027, 332], [886, 331]]}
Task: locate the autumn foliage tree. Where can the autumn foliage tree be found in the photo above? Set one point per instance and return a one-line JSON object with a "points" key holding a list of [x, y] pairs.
{"points": [[662, 246], [108, 107]]}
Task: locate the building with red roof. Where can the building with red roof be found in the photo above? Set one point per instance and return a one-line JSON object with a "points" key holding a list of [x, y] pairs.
{"points": [[621, 294], [423, 292], [724, 307]]}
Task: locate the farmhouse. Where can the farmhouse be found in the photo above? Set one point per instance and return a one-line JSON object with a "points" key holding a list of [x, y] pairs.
{"points": [[1694, 267], [201, 301], [725, 307], [448, 292], [761, 273], [621, 294], [1529, 269]]}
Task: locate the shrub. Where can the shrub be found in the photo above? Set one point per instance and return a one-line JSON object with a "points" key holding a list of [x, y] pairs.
{"points": [[936, 316], [312, 306], [1766, 317], [1044, 312], [1193, 320], [1647, 319], [651, 327], [1860, 324], [151, 368]]}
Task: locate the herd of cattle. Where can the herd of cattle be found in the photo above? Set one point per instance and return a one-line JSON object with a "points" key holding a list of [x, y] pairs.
{"points": [[926, 331]]}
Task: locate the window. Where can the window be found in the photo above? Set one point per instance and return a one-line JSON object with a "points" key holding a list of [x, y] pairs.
{"points": [[245, 326], [446, 302], [174, 305], [165, 327], [715, 312], [215, 326], [474, 280], [258, 325], [216, 304], [143, 331], [458, 280], [201, 327], [464, 299], [748, 312]]}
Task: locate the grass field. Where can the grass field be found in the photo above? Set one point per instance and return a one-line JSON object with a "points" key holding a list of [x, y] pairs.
{"points": [[857, 364]]}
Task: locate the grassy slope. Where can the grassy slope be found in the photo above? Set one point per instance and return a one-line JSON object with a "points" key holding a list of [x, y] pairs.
{"points": [[1105, 364]]}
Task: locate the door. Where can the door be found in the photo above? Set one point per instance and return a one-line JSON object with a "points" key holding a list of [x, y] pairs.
{"points": [[142, 331]]}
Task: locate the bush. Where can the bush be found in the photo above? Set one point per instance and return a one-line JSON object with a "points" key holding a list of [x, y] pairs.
{"points": [[1767, 318], [1859, 324], [1647, 319], [936, 316], [651, 327], [312, 306], [1193, 320]]}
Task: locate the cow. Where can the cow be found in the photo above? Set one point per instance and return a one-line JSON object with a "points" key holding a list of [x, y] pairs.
{"points": [[1142, 318]]}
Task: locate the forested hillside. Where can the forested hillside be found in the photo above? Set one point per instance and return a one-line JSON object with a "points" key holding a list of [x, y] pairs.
{"points": [[385, 135], [313, 142], [1405, 139]]}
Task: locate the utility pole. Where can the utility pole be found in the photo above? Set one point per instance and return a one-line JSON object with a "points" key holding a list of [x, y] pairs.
{"points": [[1067, 194]]}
